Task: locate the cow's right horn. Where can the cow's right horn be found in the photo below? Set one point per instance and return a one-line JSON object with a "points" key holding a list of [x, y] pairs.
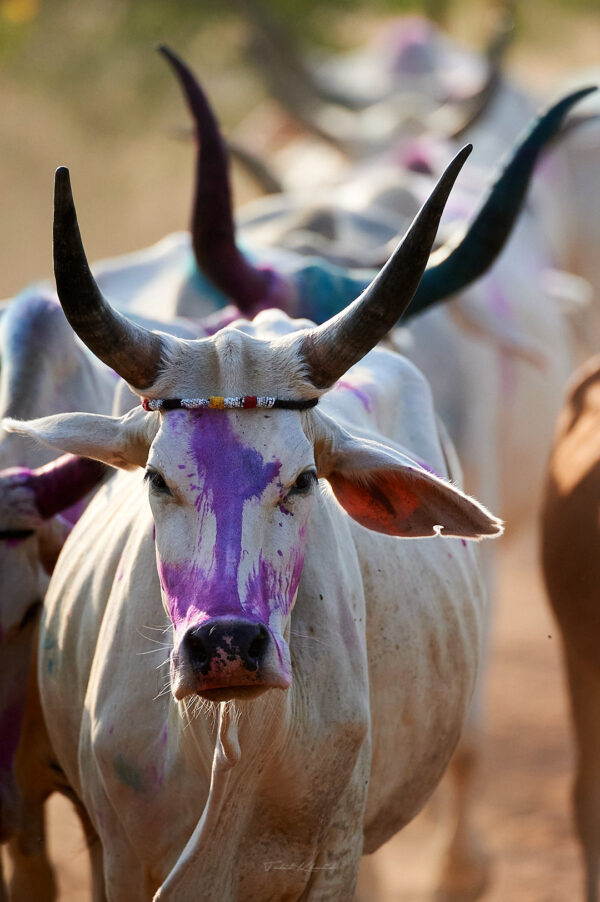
{"points": [[132, 351]]}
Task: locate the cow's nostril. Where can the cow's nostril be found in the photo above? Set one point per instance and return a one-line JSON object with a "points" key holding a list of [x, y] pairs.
{"points": [[258, 646], [197, 651]]}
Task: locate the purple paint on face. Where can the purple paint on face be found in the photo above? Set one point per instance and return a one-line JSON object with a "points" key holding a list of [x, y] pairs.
{"points": [[272, 590], [361, 395], [228, 474], [11, 720], [464, 542]]}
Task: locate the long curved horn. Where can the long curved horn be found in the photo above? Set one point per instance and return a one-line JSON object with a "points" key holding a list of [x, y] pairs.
{"points": [[331, 349], [274, 49], [132, 351], [213, 229], [463, 260], [455, 117]]}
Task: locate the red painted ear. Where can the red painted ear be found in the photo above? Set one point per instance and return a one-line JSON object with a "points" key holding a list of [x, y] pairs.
{"points": [[408, 502]]}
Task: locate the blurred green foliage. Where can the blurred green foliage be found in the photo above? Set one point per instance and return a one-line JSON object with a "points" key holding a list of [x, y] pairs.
{"points": [[96, 54]]}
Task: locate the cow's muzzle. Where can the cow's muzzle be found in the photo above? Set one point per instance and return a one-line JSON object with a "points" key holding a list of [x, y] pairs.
{"points": [[226, 646], [228, 658]]}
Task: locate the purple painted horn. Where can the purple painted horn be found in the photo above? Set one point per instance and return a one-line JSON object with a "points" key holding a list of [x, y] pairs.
{"points": [[213, 229], [51, 488], [133, 352], [63, 482], [332, 348]]}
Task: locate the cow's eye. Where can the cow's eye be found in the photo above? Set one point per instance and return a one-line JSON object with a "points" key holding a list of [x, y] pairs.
{"points": [[157, 482], [304, 483]]}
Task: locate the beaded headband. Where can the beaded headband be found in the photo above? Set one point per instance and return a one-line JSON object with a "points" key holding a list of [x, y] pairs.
{"points": [[246, 402]]}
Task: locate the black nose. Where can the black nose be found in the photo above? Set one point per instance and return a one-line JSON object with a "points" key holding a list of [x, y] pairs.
{"points": [[225, 643]]}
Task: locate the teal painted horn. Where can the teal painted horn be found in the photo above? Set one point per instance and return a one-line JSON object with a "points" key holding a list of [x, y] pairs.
{"points": [[460, 262]]}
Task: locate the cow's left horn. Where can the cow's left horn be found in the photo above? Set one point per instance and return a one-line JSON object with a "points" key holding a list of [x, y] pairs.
{"points": [[213, 229], [132, 351], [331, 349]]}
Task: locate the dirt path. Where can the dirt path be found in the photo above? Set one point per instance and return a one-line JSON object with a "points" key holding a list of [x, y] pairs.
{"points": [[524, 782]]}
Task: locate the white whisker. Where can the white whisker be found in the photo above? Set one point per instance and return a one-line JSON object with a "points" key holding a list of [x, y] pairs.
{"points": [[150, 639], [153, 651], [159, 629], [303, 636]]}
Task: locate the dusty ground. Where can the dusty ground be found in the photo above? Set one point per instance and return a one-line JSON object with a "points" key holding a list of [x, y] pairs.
{"points": [[522, 808]]}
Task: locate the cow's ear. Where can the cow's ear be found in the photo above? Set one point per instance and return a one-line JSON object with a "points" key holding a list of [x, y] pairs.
{"points": [[118, 441], [386, 491]]}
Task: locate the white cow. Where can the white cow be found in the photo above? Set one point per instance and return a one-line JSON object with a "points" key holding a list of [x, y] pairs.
{"points": [[43, 371], [37, 511], [263, 578], [413, 80]]}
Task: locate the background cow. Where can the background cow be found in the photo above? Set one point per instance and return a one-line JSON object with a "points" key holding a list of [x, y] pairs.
{"points": [[571, 565]]}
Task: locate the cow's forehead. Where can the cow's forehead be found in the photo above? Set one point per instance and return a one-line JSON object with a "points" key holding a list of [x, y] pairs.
{"points": [[236, 362], [245, 448]]}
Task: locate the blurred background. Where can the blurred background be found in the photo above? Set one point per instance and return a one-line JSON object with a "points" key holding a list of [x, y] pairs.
{"points": [[81, 85]]}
